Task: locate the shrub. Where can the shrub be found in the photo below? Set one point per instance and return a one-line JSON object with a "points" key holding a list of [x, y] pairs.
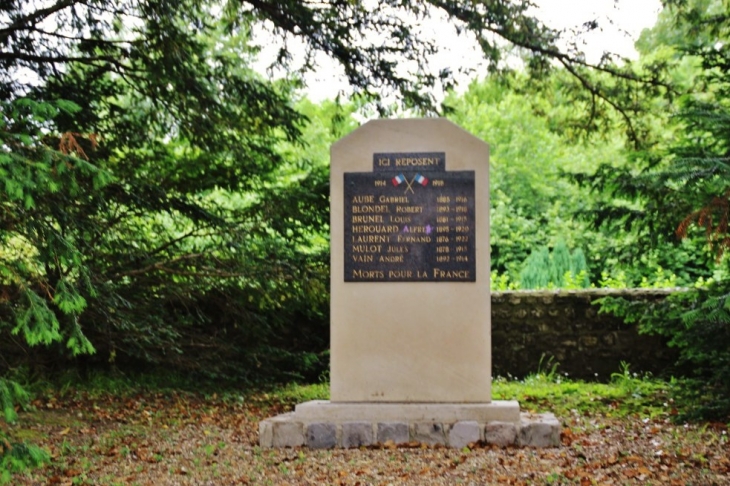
{"points": [[560, 268], [697, 323]]}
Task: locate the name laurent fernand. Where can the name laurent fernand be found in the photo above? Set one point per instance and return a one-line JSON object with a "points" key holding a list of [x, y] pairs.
{"points": [[383, 229]]}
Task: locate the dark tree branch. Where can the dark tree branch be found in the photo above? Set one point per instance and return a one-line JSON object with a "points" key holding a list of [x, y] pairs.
{"points": [[595, 92], [84, 39], [60, 59], [23, 22]]}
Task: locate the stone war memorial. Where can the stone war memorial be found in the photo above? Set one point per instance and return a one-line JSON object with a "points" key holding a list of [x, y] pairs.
{"points": [[410, 299]]}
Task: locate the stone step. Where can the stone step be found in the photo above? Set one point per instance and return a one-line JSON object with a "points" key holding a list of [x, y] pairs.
{"points": [[288, 430]]}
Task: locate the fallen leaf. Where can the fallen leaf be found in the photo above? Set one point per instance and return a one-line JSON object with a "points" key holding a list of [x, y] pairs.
{"points": [[635, 459], [630, 473]]}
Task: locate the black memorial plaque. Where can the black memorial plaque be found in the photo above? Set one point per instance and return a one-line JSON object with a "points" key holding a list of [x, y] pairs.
{"points": [[410, 220]]}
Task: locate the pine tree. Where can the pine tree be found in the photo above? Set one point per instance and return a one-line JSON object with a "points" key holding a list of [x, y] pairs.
{"points": [[559, 263], [579, 268], [536, 273]]}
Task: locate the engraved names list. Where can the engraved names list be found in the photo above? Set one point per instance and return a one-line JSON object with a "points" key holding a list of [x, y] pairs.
{"points": [[409, 220]]}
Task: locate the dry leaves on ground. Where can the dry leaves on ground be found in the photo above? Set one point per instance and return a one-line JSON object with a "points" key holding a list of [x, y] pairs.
{"points": [[156, 439]]}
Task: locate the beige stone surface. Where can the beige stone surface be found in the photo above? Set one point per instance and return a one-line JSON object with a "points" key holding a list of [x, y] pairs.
{"points": [[322, 410], [410, 341]]}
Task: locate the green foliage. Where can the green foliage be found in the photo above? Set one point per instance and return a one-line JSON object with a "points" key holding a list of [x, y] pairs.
{"points": [[533, 203], [500, 283], [11, 394], [560, 263], [680, 188], [579, 274], [37, 322], [557, 269], [616, 280], [292, 394], [675, 186], [154, 208], [547, 388], [15, 456], [537, 273], [696, 323], [660, 280], [45, 280], [573, 281], [164, 204]]}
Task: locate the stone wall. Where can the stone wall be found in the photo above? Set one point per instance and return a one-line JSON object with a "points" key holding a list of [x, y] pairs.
{"points": [[565, 325]]}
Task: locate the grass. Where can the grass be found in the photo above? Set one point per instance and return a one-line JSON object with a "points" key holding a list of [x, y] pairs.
{"points": [[545, 390], [627, 393], [293, 393]]}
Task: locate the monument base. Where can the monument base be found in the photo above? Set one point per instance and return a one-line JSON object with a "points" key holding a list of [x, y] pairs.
{"points": [[321, 424]]}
